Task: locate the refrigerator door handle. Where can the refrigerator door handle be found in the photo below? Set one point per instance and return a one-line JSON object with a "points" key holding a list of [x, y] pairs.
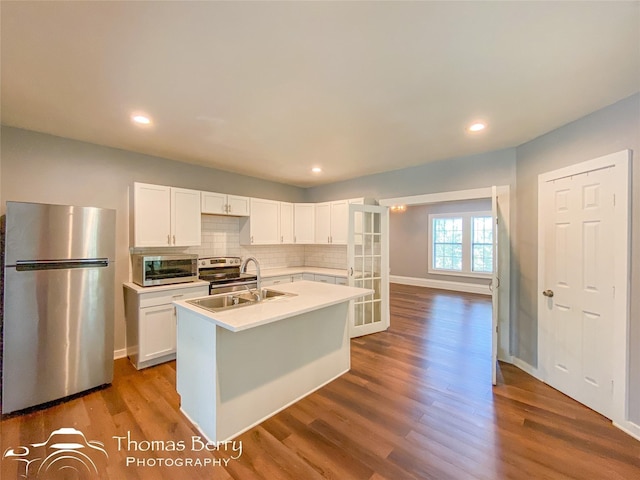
{"points": [[31, 265]]}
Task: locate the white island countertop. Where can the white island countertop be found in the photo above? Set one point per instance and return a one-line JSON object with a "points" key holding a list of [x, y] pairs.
{"points": [[309, 296]]}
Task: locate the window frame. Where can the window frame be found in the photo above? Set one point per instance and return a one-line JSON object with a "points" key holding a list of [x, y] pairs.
{"points": [[467, 249]]}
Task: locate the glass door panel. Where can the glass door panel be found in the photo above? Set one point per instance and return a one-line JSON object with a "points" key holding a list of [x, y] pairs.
{"points": [[368, 256]]}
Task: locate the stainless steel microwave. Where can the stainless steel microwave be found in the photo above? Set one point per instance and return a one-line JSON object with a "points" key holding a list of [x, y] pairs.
{"points": [[150, 270]]}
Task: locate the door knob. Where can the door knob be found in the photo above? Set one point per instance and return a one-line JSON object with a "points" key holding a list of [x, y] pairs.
{"points": [[548, 293]]}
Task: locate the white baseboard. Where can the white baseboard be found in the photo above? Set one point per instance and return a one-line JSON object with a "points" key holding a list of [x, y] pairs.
{"points": [[629, 428], [441, 284], [525, 367], [121, 353]]}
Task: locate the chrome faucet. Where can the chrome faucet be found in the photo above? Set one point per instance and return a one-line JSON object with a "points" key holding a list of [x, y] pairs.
{"points": [[243, 269]]}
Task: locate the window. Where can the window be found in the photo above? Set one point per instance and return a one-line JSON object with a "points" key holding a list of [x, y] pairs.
{"points": [[482, 244], [461, 244], [447, 243]]}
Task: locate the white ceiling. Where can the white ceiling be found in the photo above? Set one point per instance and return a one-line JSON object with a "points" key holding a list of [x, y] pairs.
{"points": [[271, 89]]}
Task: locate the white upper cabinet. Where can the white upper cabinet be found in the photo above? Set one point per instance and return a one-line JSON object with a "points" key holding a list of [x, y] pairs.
{"points": [[304, 223], [331, 222], [263, 226], [165, 216], [339, 221], [151, 215], [323, 223], [286, 223], [238, 206], [214, 203], [186, 224], [223, 204]]}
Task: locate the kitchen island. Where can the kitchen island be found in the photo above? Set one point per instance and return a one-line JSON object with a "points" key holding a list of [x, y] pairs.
{"points": [[237, 367]]}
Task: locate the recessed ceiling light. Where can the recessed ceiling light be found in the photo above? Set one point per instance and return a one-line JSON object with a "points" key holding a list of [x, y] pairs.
{"points": [[140, 119], [316, 170], [477, 126]]}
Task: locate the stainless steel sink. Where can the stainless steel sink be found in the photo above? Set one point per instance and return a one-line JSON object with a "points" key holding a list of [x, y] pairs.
{"points": [[267, 294], [218, 303]]}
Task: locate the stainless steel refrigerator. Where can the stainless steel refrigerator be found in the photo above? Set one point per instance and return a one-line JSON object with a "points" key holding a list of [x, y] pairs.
{"points": [[57, 316]]}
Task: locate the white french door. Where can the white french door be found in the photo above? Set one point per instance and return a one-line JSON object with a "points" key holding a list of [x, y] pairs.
{"points": [[368, 262], [495, 286], [577, 308]]}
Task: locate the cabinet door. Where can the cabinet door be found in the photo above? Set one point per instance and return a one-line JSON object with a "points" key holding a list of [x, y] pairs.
{"points": [[186, 226], [214, 203], [238, 206], [339, 221], [264, 222], [308, 276], [151, 215], [304, 223], [358, 227], [286, 223], [157, 332], [297, 277], [323, 223]]}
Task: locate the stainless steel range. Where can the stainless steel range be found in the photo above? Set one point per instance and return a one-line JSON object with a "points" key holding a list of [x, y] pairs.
{"points": [[223, 275]]}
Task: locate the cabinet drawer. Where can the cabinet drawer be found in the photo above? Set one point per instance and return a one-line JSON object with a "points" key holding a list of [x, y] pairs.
{"points": [[165, 297], [308, 276], [297, 277], [325, 278], [267, 282], [341, 281]]}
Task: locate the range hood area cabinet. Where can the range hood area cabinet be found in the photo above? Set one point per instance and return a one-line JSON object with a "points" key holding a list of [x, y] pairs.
{"points": [[165, 216], [270, 223], [223, 204]]}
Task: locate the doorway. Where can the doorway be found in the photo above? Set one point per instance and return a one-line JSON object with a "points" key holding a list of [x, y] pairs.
{"points": [[500, 277]]}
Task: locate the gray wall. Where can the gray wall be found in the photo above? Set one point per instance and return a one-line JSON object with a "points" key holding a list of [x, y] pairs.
{"points": [[47, 169], [409, 239], [609, 130], [474, 171]]}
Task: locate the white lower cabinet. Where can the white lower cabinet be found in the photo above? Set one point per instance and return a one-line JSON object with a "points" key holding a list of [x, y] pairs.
{"points": [[151, 322], [157, 330]]}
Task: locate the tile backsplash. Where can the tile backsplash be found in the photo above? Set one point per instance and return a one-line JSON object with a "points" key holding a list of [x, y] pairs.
{"points": [[327, 256], [221, 237]]}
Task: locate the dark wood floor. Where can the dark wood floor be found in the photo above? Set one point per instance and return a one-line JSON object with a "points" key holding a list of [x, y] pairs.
{"points": [[417, 403]]}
